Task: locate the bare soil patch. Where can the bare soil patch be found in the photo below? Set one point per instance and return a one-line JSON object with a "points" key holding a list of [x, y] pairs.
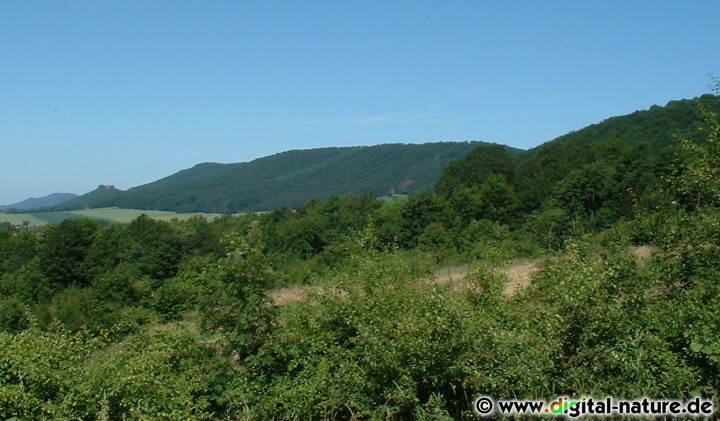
{"points": [[289, 295], [642, 252], [450, 275], [519, 276]]}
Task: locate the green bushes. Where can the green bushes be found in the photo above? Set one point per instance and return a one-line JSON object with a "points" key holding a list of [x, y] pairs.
{"points": [[54, 375], [376, 343], [377, 337], [14, 315]]}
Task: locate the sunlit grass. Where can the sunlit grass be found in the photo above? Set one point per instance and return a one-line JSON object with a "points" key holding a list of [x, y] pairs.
{"points": [[111, 215]]}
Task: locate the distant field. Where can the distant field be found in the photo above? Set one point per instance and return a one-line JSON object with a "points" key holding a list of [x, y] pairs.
{"points": [[109, 215]]}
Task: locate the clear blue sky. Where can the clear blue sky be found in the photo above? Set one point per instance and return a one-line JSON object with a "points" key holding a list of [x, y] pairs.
{"points": [[126, 92]]}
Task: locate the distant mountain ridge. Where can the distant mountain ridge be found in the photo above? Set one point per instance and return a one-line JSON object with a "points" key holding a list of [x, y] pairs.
{"points": [[40, 202], [290, 178], [295, 177]]}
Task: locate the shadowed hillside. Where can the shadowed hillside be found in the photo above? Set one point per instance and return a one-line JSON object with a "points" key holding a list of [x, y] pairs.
{"points": [[40, 202], [289, 178]]}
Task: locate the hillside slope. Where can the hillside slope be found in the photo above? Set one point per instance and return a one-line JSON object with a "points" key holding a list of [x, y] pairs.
{"points": [[639, 138], [40, 202], [289, 178], [656, 128], [598, 174], [295, 177]]}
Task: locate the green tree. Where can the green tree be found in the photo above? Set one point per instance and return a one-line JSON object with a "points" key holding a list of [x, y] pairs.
{"points": [[238, 306], [435, 240], [699, 184], [497, 200], [159, 246], [388, 224], [475, 169], [417, 213], [28, 284], [63, 250], [16, 249], [14, 315], [586, 193], [112, 246]]}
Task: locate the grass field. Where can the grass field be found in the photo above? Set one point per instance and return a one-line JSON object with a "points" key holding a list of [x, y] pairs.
{"points": [[108, 215]]}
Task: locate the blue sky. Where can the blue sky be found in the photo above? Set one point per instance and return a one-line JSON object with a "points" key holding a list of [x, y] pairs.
{"points": [[126, 92]]}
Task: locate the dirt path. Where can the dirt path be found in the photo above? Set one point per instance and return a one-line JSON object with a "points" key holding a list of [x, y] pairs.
{"points": [[519, 275], [450, 275], [289, 295]]}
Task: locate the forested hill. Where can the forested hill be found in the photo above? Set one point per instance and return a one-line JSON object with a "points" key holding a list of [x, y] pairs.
{"points": [[614, 151], [289, 178], [637, 142], [659, 124], [656, 127], [40, 202], [597, 175]]}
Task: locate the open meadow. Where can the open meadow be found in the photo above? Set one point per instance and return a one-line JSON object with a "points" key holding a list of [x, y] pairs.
{"points": [[105, 215]]}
